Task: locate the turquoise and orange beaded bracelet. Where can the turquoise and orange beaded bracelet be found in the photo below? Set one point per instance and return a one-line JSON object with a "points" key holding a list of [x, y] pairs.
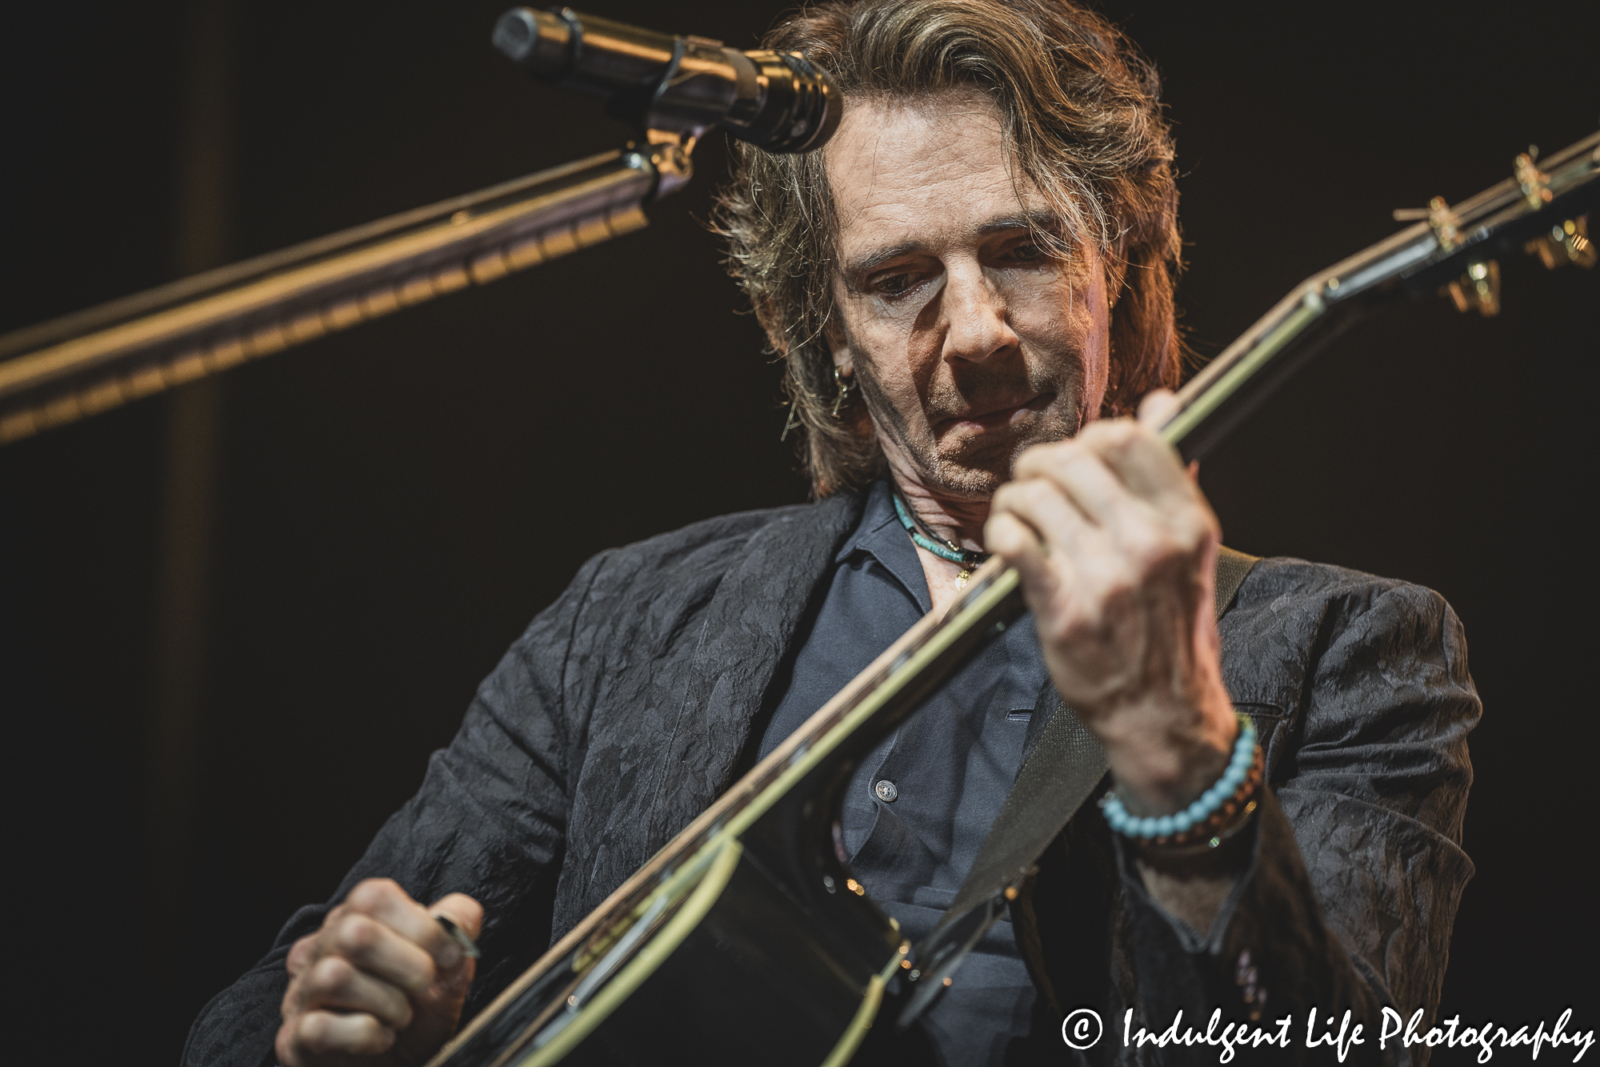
{"points": [[1213, 815]]}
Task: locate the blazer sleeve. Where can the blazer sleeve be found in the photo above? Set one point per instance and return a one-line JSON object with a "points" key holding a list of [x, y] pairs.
{"points": [[1356, 866], [489, 821]]}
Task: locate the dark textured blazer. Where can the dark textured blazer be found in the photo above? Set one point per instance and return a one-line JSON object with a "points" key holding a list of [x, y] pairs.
{"points": [[635, 699]]}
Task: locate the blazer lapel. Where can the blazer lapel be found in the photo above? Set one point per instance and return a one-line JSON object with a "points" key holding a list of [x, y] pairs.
{"points": [[745, 632]]}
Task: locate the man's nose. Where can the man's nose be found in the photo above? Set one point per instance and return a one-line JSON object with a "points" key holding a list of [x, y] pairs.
{"points": [[977, 320]]}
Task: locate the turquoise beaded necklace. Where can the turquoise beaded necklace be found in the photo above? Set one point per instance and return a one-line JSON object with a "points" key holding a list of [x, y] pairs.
{"points": [[948, 550]]}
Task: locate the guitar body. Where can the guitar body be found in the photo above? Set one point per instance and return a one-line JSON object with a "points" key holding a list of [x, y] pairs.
{"points": [[763, 948], [758, 973]]}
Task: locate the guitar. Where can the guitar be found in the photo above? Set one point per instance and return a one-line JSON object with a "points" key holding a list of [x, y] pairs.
{"points": [[753, 904]]}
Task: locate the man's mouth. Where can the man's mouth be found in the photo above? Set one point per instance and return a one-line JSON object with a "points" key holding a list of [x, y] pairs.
{"points": [[990, 416]]}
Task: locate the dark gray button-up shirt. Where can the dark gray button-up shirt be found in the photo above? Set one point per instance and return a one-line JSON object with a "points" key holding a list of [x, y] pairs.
{"points": [[921, 804]]}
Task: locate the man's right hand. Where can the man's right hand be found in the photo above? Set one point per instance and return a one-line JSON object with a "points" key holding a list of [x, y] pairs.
{"points": [[381, 982]]}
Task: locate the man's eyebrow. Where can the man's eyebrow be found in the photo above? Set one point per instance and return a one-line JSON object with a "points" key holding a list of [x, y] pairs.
{"points": [[1047, 221], [870, 261]]}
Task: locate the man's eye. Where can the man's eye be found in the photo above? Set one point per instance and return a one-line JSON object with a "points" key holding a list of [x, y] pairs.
{"points": [[1027, 253], [894, 284]]}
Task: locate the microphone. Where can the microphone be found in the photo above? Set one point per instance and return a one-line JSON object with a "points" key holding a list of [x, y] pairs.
{"points": [[775, 100]]}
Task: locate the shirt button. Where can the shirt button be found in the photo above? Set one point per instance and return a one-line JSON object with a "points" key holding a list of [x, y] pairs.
{"points": [[886, 791]]}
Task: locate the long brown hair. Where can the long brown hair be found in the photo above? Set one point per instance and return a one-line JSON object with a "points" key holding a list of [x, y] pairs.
{"points": [[1082, 119]]}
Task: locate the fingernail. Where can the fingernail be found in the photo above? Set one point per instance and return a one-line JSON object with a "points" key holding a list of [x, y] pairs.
{"points": [[459, 941]]}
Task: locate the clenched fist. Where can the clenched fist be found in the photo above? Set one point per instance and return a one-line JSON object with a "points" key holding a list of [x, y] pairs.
{"points": [[381, 982]]}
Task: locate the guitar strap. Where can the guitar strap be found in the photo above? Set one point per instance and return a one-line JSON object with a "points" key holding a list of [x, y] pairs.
{"points": [[1056, 778]]}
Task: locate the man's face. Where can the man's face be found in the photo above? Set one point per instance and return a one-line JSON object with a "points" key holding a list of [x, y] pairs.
{"points": [[970, 342]]}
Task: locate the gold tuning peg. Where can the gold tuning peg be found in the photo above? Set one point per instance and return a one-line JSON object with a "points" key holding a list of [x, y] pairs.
{"points": [[1440, 217], [1535, 183], [1567, 242], [1478, 289], [1443, 221]]}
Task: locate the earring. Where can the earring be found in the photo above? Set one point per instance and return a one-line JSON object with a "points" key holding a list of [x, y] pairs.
{"points": [[844, 391], [790, 421]]}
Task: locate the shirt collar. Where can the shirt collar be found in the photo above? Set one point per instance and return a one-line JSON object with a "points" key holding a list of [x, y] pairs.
{"points": [[881, 536]]}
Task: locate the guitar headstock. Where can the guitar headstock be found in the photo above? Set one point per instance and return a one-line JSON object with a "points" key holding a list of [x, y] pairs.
{"points": [[1451, 251], [1542, 209]]}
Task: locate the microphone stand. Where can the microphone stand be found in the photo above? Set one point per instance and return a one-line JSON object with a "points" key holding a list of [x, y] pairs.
{"points": [[90, 361]]}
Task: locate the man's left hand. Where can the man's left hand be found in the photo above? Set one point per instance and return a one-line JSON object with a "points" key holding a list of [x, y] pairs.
{"points": [[1117, 551]]}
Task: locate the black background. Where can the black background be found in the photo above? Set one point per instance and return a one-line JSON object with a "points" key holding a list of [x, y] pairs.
{"points": [[395, 503]]}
